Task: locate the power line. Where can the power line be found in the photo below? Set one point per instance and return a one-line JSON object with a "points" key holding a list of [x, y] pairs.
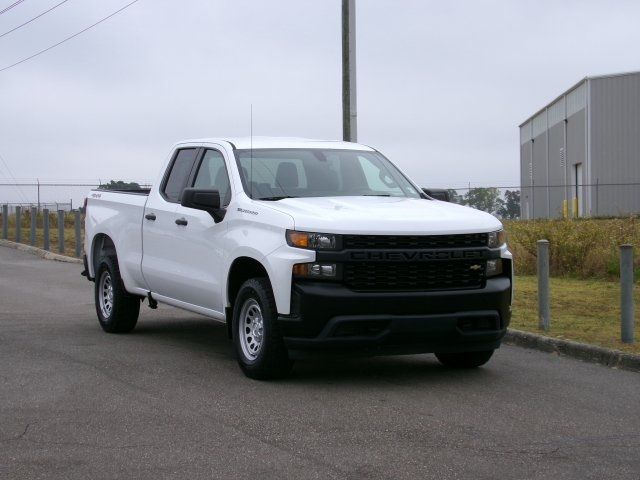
{"points": [[34, 18], [11, 6], [68, 38], [24, 197]]}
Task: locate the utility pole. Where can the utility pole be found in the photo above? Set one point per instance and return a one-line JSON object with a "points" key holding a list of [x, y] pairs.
{"points": [[349, 116]]}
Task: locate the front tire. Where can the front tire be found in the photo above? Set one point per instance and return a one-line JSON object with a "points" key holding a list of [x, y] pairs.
{"points": [[259, 346], [117, 309], [464, 359]]}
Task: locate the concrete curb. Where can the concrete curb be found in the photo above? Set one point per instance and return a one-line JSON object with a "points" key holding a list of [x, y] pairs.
{"points": [[39, 252], [581, 351]]}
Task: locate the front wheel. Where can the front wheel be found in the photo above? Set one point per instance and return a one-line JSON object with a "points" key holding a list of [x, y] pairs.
{"points": [[117, 309], [464, 359], [259, 346]]}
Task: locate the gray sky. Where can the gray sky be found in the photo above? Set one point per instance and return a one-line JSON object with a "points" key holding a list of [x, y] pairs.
{"points": [[442, 86]]}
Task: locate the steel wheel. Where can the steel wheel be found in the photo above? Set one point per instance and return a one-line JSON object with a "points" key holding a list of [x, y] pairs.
{"points": [[251, 329], [105, 294]]}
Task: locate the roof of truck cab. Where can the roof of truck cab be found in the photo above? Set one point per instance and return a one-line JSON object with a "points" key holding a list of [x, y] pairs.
{"points": [[243, 143]]}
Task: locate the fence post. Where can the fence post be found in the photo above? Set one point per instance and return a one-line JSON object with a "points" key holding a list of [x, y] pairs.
{"points": [[18, 223], [45, 226], [544, 311], [5, 222], [34, 223], [77, 225], [626, 293], [61, 231]]}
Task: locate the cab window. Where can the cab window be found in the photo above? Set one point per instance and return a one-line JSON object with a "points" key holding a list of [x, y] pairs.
{"points": [[212, 174]]}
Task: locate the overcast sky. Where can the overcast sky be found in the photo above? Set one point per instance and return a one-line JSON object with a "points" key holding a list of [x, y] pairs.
{"points": [[442, 86]]}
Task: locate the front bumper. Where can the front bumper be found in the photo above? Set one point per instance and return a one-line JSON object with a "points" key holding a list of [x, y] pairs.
{"points": [[329, 316]]}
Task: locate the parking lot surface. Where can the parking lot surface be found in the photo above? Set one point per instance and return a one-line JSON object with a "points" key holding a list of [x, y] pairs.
{"points": [[169, 401]]}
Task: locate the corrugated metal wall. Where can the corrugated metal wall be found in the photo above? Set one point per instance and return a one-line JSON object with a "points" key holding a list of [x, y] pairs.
{"points": [[576, 151], [615, 144], [595, 125], [557, 169], [526, 171], [559, 134], [540, 204]]}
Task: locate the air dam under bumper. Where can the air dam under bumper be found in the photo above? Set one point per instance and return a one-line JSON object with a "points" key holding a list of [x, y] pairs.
{"points": [[328, 316]]}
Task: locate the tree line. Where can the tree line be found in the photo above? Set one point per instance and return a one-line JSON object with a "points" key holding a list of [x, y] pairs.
{"points": [[490, 199]]}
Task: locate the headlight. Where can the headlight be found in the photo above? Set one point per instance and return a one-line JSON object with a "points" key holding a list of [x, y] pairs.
{"points": [[312, 241], [496, 239]]}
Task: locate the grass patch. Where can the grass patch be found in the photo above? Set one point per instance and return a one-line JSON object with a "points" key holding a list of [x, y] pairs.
{"points": [[586, 311]]}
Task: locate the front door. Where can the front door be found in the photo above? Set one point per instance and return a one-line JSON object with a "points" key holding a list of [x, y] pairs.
{"points": [[200, 241]]}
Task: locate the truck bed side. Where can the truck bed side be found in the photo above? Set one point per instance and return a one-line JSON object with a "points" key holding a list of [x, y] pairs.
{"points": [[118, 216]]}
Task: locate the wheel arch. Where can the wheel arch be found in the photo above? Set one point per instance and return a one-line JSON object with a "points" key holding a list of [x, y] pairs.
{"points": [[101, 245], [242, 269]]}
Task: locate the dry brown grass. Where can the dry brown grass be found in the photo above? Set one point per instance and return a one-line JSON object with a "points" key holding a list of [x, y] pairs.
{"points": [[69, 231], [69, 239], [578, 248]]}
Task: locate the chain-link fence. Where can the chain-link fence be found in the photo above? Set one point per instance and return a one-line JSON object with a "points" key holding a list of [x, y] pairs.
{"points": [[56, 196]]}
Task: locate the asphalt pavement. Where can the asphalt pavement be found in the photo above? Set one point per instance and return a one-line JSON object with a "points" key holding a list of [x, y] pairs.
{"points": [[169, 401]]}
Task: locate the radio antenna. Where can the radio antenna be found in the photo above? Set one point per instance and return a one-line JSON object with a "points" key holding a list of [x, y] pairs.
{"points": [[251, 151]]}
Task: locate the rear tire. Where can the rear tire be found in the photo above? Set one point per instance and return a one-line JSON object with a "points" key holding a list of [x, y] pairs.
{"points": [[117, 309], [464, 359], [260, 349]]}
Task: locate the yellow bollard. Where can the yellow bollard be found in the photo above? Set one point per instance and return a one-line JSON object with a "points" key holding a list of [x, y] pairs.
{"points": [[565, 209]]}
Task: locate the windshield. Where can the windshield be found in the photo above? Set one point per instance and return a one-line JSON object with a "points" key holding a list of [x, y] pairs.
{"points": [[272, 174]]}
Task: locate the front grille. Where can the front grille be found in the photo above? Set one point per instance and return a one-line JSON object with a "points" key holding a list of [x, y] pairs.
{"points": [[424, 276], [465, 240]]}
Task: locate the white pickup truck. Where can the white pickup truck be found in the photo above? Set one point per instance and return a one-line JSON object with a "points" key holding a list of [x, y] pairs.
{"points": [[301, 246]]}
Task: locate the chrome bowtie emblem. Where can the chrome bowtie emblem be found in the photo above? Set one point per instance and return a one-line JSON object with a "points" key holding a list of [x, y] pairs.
{"points": [[475, 267]]}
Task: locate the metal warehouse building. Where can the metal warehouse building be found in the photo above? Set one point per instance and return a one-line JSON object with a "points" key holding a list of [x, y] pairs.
{"points": [[580, 155]]}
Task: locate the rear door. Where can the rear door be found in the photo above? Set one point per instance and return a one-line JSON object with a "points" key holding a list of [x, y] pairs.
{"points": [[160, 234]]}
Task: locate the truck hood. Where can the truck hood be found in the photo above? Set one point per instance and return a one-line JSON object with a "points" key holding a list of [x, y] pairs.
{"points": [[384, 215]]}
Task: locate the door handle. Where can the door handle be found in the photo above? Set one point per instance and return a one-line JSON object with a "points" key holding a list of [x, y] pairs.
{"points": [[150, 216], [181, 221]]}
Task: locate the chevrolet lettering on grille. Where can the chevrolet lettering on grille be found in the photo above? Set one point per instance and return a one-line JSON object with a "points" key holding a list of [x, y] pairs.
{"points": [[417, 256]]}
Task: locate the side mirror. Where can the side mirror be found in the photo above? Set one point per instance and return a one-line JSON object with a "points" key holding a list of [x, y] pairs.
{"points": [[203, 199], [438, 194]]}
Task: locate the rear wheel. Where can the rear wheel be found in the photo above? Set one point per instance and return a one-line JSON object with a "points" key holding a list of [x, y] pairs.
{"points": [[465, 359], [116, 308], [259, 346]]}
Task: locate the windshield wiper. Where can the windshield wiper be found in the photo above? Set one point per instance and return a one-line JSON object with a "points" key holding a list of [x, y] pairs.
{"points": [[273, 199], [376, 195]]}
